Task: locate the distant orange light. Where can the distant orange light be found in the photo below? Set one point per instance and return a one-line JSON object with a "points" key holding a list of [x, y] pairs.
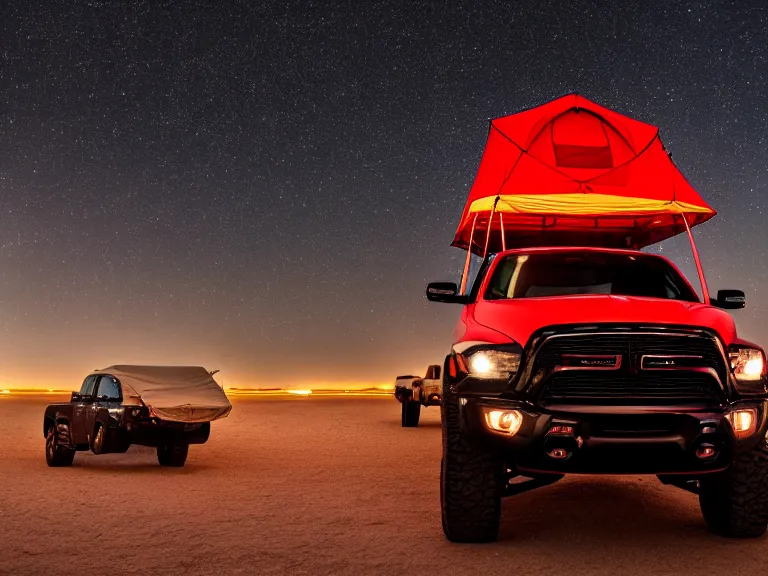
{"points": [[300, 392]]}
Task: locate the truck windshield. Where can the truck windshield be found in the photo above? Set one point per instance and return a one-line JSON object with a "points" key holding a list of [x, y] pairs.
{"points": [[570, 273]]}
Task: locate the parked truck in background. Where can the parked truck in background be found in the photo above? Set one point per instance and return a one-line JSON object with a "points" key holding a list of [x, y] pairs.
{"points": [[413, 392]]}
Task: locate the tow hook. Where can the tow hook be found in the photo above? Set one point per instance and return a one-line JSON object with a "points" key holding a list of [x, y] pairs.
{"points": [[705, 451], [561, 442], [558, 453]]}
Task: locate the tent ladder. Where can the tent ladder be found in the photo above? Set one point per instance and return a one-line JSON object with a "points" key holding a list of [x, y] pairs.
{"points": [[503, 236], [469, 255], [700, 270], [490, 225]]}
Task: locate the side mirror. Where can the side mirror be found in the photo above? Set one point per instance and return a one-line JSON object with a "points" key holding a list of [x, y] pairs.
{"points": [[445, 292], [75, 397], [730, 299]]}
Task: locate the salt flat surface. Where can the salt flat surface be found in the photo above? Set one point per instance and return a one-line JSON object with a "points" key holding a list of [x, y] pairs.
{"points": [[325, 486]]}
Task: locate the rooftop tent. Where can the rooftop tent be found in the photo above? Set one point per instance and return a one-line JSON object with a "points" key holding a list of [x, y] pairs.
{"points": [[571, 172]]}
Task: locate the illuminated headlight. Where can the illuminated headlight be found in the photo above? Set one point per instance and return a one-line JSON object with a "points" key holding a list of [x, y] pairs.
{"points": [[747, 364], [493, 363]]}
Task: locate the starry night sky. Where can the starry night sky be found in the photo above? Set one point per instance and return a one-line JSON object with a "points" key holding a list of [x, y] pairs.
{"points": [[266, 188]]}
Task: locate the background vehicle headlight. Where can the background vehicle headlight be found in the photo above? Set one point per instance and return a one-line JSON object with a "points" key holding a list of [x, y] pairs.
{"points": [[747, 364], [493, 363]]}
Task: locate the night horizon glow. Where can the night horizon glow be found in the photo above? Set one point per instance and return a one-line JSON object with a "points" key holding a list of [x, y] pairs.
{"points": [[267, 189]]}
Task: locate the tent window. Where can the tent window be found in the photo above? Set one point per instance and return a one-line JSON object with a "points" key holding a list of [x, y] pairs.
{"points": [[572, 156]]}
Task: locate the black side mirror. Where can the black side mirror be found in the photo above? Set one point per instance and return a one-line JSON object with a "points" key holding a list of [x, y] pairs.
{"points": [[445, 292], [75, 397], [730, 299]]}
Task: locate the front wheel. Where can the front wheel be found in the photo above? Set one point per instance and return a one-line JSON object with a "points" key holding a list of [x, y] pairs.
{"points": [[735, 502], [411, 410], [56, 454], [97, 444], [172, 455], [471, 483]]}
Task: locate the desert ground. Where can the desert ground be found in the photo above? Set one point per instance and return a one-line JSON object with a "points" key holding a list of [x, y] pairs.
{"points": [[325, 486]]}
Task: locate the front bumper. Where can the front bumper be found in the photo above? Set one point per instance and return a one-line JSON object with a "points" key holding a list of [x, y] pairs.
{"points": [[612, 440]]}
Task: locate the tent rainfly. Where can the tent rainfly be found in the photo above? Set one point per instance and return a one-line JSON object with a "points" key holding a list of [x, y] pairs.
{"points": [[573, 173]]}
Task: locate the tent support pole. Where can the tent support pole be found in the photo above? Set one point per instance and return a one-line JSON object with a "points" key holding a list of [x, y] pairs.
{"points": [[704, 289], [503, 236], [490, 225], [469, 255]]}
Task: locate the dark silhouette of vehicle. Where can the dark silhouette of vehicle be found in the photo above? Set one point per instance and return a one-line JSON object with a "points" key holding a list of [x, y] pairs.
{"points": [[598, 361], [166, 407], [413, 392]]}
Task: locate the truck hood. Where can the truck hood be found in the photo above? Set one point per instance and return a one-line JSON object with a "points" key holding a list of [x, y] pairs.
{"points": [[519, 318]]}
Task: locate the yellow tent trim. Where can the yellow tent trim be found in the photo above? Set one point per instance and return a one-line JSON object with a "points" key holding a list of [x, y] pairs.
{"points": [[583, 205]]}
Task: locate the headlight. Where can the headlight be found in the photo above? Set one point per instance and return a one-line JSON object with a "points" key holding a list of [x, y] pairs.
{"points": [[497, 363], [747, 364]]}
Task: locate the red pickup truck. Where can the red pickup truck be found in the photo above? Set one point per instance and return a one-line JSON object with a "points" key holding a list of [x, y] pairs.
{"points": [[597, 361]]}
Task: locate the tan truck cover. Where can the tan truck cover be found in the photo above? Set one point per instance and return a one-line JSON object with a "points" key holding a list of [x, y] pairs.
{"points": [[175, 393]]}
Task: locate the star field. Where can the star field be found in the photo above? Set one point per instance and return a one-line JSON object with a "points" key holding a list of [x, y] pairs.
{"points": [[266, 188]]}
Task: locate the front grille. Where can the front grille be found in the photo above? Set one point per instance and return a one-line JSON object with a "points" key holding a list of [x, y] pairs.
{"points": [[583, 386], [628, 383]]}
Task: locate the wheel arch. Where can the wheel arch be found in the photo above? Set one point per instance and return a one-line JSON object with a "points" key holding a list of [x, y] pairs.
{"points": [[51, 419], [48, 421]]}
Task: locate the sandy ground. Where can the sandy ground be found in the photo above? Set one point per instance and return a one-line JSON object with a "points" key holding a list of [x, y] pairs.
{"points": [[325, 486]]}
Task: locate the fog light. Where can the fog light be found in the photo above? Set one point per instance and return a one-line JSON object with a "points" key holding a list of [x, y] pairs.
{"points": [[507, 421], [742, 421]]}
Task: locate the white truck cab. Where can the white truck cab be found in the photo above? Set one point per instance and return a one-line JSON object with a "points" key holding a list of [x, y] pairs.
{"points": [[413, 392]]}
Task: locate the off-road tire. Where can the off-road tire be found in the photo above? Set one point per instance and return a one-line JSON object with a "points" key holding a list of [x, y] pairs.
{"points": [[56, 453], [411, 410], [735, 502], [172, 455], [471, 482]]}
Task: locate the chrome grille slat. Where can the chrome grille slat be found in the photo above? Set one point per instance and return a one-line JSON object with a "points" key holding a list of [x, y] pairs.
{"points": [[629, 382]]}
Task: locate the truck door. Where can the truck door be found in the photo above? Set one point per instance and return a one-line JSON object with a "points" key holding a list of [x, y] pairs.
{"points": [[107, 395], [82, 405]]}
